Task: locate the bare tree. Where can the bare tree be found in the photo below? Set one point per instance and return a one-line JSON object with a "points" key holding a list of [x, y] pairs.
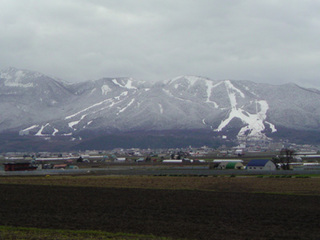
{"points": [[284, 158]]}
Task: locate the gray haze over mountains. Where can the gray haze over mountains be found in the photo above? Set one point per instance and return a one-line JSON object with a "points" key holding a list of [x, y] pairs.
{"points": [[34, 104]]}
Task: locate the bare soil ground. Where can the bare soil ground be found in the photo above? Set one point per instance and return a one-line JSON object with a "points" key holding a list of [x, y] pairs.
{"points": [[310, 186], [209, 211]]}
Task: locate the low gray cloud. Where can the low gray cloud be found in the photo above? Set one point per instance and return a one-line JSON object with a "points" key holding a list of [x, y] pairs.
{"points": [[271, 41]]}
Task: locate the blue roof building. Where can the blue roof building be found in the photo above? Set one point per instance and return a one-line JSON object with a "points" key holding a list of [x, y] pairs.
{"points": [[261, 164]]}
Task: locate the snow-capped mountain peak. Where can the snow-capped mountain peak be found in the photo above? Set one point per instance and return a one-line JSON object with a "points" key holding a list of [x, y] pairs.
{"points": [[18, 78], [42, 106]]}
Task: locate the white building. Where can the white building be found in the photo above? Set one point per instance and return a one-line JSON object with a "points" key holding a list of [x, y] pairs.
{"points": [[261, 164]]}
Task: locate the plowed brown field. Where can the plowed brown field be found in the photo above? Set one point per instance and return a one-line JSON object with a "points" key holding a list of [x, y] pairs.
{"points": [[228, 213]]}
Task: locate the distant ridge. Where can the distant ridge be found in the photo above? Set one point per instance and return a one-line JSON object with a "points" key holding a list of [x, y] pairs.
{"points": [[34, 104]]}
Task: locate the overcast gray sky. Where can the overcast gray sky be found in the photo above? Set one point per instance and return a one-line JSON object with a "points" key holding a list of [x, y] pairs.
{"points": [[271, 41]]}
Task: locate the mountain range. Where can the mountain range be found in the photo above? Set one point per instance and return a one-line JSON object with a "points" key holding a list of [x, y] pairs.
{"points": [[193, 110]]}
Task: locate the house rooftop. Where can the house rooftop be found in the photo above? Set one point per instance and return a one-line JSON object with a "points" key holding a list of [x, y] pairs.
{"points": [[258, 162]]}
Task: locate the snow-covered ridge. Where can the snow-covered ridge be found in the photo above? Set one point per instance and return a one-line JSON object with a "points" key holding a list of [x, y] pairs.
{"points": [[14, 78], [255, 123], [185, 102], [127, 85]]}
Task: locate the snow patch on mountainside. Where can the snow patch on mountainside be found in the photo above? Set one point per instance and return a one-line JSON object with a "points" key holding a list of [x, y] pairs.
{"points": [[39, 133], [105, 89], [230, 87], [86, 109], [174, 96], [55, 131], [30, 128], [71, 124], [14, 77], [123, 109], [272, 127], [17, 84], [254, 122], [161, 108], [128, 85], [210, 86], [123, 94]]}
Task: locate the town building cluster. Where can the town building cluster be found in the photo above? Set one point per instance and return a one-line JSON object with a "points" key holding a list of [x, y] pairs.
{"points": [[243, 156]]}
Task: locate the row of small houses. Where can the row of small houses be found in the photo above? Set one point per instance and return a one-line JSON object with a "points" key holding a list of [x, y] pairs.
{"points": [[255, 164], [261, 164]]}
